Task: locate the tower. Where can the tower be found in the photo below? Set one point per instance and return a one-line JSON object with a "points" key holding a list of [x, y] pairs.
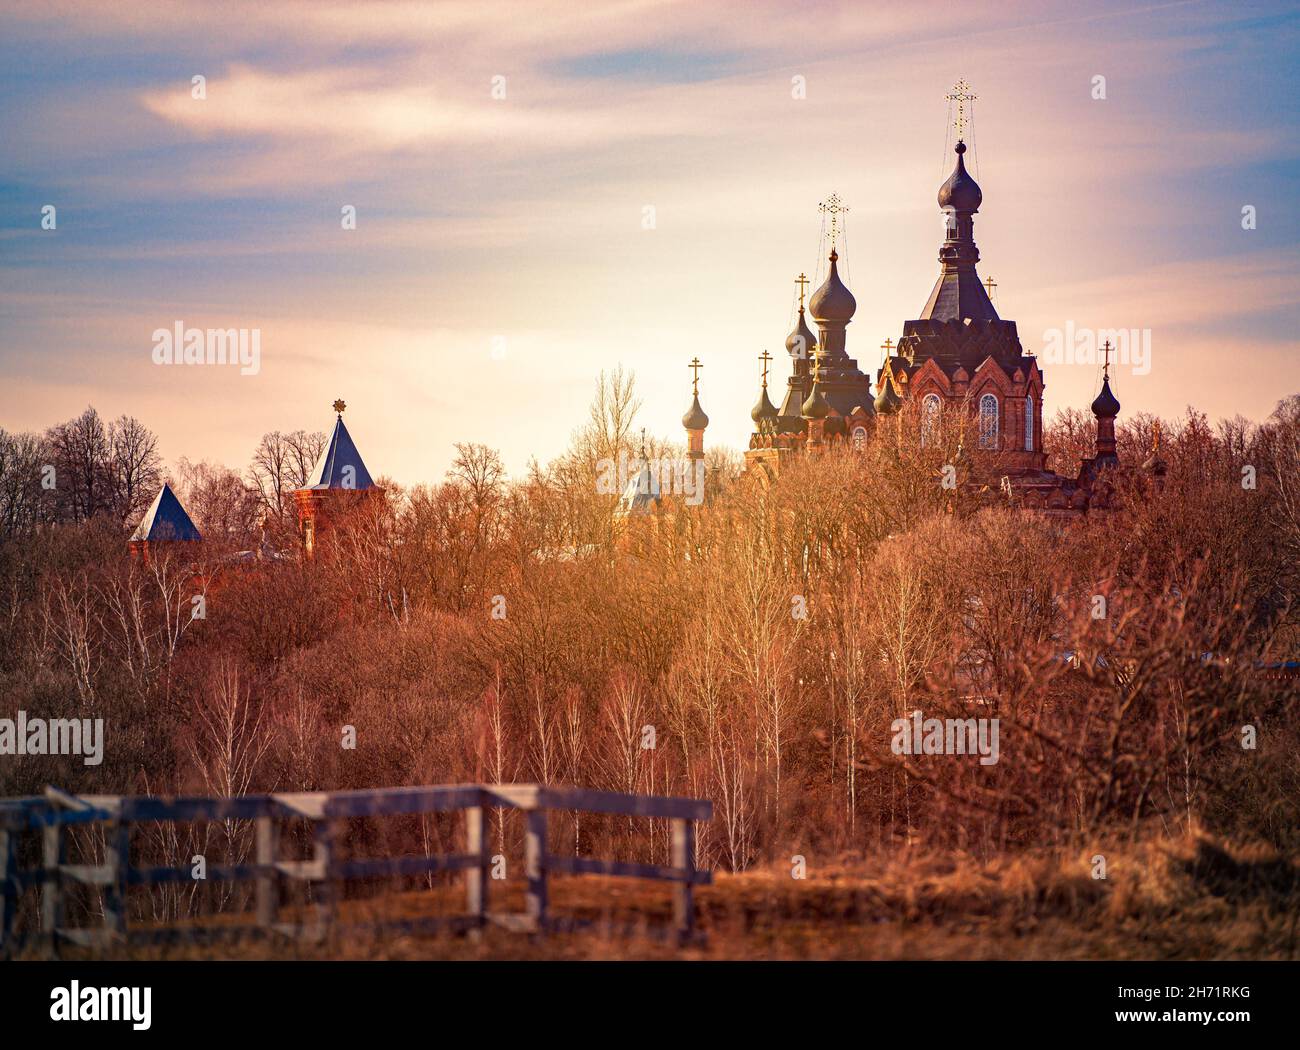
{"points": [[1106, 407], [337, 483], [695, 421], [958, 354]]}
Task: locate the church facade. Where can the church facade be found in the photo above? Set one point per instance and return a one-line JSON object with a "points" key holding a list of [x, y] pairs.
{"points": [[957, 355]]}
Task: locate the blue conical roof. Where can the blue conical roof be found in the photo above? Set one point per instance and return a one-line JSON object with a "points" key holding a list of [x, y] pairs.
{"points": [[331, 470], [165, 520]]}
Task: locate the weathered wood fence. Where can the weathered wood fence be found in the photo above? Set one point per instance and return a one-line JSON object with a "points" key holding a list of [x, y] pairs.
{"points": [[114, 816]]}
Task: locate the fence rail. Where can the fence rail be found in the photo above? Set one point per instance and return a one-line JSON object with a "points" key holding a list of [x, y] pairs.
{"points": [[115, 815]]}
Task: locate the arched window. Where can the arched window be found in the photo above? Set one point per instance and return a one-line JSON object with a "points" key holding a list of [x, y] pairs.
{"points": [[989, 421], [859, 438], [1029, 423], [929, 418]]}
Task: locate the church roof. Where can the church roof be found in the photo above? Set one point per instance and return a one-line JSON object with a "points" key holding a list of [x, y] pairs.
{"points": [[642, 493], [801, 341], [331, 470], [1106, 403], [960, 192], [833, 301], [165, 520], [695, 419]]}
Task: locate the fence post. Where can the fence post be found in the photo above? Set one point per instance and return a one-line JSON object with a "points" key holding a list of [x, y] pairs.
{"points": [[117, 857], [52, 856], [535, 867], [476, 878], [268, 879], [326, 837], [8, 886], [683, 857]]}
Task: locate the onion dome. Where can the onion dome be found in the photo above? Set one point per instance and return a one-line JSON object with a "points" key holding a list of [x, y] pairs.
{"points": [[960, 192], [799, 343], [816, 406], [832, 301], [887, 401], [1106, 405], [763, 410], [695, 419]]}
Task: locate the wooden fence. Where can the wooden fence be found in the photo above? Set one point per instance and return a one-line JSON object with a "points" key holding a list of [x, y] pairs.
{"points": [[114, 816]]}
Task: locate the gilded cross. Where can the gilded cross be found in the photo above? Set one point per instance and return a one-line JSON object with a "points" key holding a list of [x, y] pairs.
{"points": [[803, 282], [834, 207], [1105, 371], [961, 95], [765, 357], [340, 405], [989, 285], [887, 346], [695, 367]]}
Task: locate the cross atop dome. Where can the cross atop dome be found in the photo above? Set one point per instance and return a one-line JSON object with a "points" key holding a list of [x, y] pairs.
{"points": [[961, 94], [834, 207]]}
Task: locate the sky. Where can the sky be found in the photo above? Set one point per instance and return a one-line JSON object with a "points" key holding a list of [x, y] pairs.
{"points": [[543, 191]]}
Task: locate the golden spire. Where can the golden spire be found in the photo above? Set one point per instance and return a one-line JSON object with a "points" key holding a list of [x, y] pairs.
{"points": [[340, 405], [834, 207], [695, 367], [803, 282], [961, 95], [765, 357]]}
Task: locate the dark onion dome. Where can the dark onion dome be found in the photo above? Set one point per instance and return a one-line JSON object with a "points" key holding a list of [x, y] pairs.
{"points": [[960, 192], [763, 409], [801, 341], [1105, 405], [695, 419], [887, 401], [832, 301], [816, 407]]}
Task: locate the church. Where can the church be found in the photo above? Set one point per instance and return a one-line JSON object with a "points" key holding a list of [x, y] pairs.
{"points": [[957, 355]]}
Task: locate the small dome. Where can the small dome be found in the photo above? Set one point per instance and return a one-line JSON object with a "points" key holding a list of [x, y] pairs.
{"points": [[960, 192], [887, 401], [799, 343], [1105, 405], [763, 409], [695, 419], [832, 301], [816, 407]]}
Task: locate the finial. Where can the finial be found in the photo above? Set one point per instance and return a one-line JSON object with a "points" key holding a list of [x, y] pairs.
{"points": [[643, 443], [834, 207], [803, 282], [817, 365], [765, 357], [989, 285], [1105, 368], [695, 367], [1155, 436], [961, 95], [887, 346], [340, 405]]}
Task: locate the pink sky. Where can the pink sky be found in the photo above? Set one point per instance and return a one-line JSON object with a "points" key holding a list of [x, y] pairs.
{"points": [[517, 222]]}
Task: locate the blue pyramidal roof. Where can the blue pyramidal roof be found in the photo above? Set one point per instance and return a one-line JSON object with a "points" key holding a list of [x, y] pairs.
{"points": [[165, 520], [340, 465]]}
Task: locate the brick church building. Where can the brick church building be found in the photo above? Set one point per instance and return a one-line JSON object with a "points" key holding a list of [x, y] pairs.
{"points": [[956, 355]]}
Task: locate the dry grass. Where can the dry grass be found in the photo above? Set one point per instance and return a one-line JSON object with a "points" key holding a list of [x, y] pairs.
{"points": [[1190, 899]]}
